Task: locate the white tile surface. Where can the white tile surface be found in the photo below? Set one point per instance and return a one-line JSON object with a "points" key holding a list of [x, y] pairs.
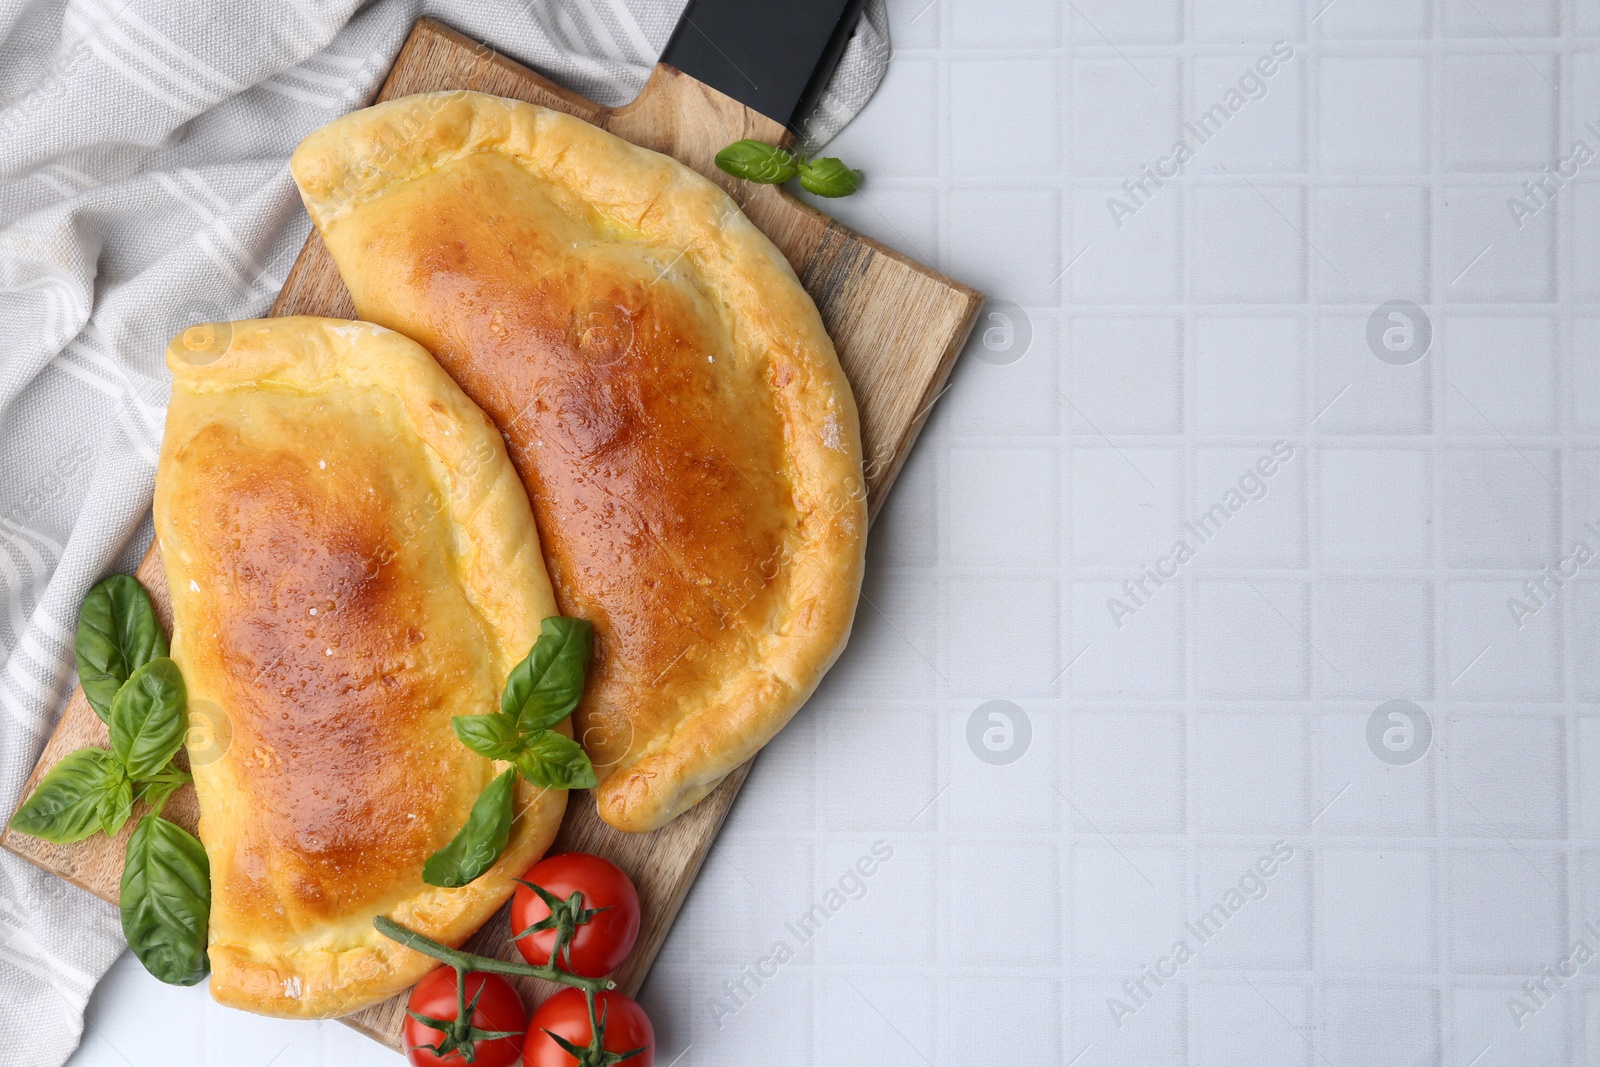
{"points": [[1002, 497], [1249, 772], [1266, 135], [1250, 639], [1485, 256], [1499, 111], [1141, 658], [1124, 259], [995, 141], [1389, 1023], [1125, 504], [1116, 22], [1127, 772], [1378, 910], [1357, 795], [1133, 373], [1379, 19], [1372, 243], [1489, 884], [1503, 373], [1112, 884], [1122, 115], [1374, 506], [1357, 394], [1500, 18], [984, 799], [1126, 375], [1249, 244], [1261, 1023], [974, 1007], [1248, 374], [1361, 131]]}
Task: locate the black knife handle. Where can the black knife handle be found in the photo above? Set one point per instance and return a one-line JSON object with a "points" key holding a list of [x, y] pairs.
{"points": [[773, 56]]}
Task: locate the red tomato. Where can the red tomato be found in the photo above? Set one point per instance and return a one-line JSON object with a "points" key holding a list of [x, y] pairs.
{"points": [[499, 1008], [625, 1024], [599, 945]]}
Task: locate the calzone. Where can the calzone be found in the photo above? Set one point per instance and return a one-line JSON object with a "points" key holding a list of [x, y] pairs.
{"points": [[666, 390], [352, 562]]}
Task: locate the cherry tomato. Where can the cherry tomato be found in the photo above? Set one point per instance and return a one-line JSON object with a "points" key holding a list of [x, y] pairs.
{"points": [[499, 1008], [624, 1023], [600, 944]]}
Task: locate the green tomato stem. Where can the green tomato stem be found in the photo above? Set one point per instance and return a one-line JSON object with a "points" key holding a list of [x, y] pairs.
{"points": [[462, 1030], [467, 961]]}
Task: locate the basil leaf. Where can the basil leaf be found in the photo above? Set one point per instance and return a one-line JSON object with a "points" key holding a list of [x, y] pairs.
{"points": [[545, 687], [117, 634], [757, 162], [148, 718], [555, 762], [71, 801], [481, 840], [116, 804], [828, 177], [166, 901], [492, 736]]}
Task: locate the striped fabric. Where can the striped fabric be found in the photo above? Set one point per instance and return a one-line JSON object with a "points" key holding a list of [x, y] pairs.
{"points": [[144, 186]]}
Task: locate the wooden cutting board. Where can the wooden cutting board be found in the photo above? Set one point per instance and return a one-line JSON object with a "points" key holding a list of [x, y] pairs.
{"points": [[898, 327]]}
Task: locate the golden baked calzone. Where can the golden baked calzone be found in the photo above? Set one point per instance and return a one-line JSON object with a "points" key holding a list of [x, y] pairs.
{"points": [[667, 391], [352, 562]]}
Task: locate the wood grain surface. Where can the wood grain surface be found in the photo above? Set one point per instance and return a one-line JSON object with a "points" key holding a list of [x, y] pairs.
{"points": [[898, 327]]}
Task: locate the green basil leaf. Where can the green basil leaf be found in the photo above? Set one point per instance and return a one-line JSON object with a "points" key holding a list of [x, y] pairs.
{"points": [[116, 804], [491, 736], [481, 840], [166, 901], [545, 687], [555, 762], [71, 802], [148, 718], [117, 634], [828, 177], [757, 161]]}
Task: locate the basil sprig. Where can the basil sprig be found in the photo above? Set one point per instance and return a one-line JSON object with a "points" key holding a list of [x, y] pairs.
{"points": [[479, 843], [540, 692], [139, 692], [117, 634], [766, 164], [166, 900], [87, 791]]}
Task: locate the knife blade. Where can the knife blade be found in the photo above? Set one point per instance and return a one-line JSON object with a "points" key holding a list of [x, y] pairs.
{"points": [[775, 57]]}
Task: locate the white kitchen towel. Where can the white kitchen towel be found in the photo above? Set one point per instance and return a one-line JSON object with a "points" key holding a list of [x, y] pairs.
{"points": [[144, 186]]}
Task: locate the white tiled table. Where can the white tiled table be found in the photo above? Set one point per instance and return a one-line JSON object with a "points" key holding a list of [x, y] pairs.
{"points": [[1134, 376]]}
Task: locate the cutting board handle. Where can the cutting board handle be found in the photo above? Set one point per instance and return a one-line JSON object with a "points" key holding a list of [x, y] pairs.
{"points": [[678, 116]]}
